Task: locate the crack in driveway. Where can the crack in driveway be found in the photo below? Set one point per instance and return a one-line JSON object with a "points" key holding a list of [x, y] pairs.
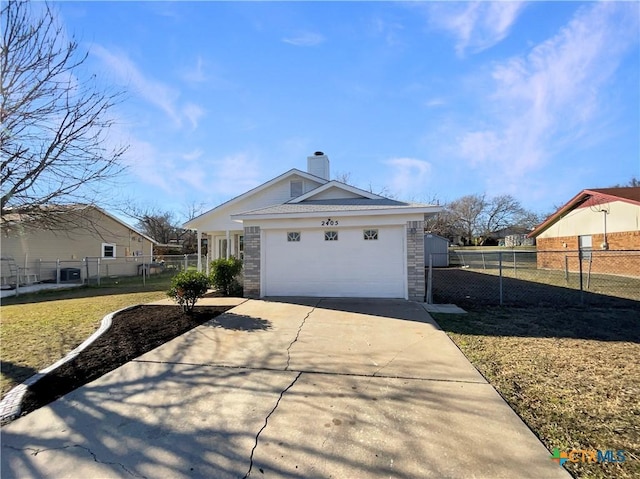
{"points": [[375, 374], [35, 452], [266, 420], [304, 320]]}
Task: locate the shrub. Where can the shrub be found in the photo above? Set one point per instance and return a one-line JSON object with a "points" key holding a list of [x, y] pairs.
{"points": [[187, 287], [224, 274]]}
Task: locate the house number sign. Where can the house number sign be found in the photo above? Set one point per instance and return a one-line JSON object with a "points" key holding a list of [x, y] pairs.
{"points": [[329, 222]]}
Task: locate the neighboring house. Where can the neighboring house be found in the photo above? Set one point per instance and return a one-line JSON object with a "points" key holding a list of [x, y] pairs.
{"points": [[510, 237], [603, 223], [301, 234], [85, 232]]}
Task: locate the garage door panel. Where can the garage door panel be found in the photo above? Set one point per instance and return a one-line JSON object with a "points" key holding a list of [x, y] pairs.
{"points": [[348, 267]]}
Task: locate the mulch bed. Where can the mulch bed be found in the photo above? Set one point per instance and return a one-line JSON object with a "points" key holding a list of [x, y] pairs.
{"points": [[132, 333]]}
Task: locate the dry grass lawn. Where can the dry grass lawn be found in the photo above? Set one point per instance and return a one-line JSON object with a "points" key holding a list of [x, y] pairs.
{"points": [[572, 374], [38, 329]]}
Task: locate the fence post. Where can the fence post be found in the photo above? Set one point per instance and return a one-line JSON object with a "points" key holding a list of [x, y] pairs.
{"points": [[484, 266], [98, 267], [86, 267], [430, 280], [186, 262], [500, 267], [514, 264], [566, 268], [580, 273], [58, 271], [144, 272]]}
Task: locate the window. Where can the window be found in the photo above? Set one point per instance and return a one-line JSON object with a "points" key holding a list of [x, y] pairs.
{"points": [[293, 236], [222, 248], [331, 236], [370, 234], [296, 189], [585, 244], [108, 250]]}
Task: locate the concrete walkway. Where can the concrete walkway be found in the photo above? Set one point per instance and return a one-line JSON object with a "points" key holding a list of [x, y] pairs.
{"points": [[303, 389]]}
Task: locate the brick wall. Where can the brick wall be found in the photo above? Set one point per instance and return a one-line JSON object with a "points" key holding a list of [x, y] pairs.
{"points": [[252, 262], [415, 260], [622, 257]]}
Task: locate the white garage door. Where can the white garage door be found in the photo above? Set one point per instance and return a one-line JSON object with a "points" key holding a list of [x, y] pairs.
{"points": [[347, 267]]}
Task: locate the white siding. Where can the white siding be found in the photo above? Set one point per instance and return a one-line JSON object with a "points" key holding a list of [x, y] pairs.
{"points": [[276, 194], [335, 193], [590, 220]]}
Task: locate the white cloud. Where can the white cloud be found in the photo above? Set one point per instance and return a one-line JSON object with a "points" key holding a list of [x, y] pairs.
{"points": [[154, 92], [409, 176], [476, 26], [193, 113], [551, 97], [305, 39], [235, 174], [193, 155], [196, 74], [435, 102]]}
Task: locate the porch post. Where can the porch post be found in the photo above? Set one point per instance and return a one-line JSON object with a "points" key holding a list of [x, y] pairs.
{"points": [[199, 235], [228, 252]]}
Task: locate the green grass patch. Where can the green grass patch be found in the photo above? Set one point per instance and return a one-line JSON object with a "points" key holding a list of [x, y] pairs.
{"points": [[571, 374], [40, 328]]}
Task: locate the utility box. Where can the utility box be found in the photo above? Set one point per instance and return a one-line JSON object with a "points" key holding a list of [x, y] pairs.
{"points": [[70, 274], [438, 248]]}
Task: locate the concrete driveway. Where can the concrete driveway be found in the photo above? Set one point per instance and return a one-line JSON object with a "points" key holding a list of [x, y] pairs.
{"points": [[313, 388]]}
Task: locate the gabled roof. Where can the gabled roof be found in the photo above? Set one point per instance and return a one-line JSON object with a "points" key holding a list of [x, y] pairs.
{"points": [[335, 184], [340, 207], [592, 197], [257, 189], [115, 218], [76, 208]]}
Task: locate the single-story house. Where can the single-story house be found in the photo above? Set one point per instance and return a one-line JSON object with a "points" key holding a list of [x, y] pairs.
{"points": [[302, 234], [603, 224], [85, 231], [509, 237]]}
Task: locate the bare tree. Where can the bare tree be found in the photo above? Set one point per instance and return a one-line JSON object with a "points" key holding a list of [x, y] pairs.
{"points": [[465, 213], [343, 177], [157, 224], [166, 228], [53, 141], [632, 183], [475, 217]]}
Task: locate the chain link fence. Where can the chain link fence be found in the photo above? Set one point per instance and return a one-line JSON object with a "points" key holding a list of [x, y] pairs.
{"points": [[99, 271], [521, 278]]}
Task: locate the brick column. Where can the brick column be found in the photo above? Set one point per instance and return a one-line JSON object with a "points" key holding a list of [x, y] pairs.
{"points": [[251, 262], [415, 260]]}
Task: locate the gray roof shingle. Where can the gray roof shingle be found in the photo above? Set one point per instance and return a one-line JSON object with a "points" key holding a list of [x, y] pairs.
{"points": [[334, 205]]}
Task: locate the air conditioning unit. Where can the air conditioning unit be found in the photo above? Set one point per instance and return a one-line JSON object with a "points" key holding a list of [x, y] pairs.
{"points": [[70, 274]]}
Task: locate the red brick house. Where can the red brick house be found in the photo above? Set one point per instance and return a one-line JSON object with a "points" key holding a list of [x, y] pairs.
{"points": [[603, 223]]}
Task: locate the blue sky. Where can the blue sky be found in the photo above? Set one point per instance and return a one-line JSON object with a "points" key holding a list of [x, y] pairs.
{"points": [[539, 100]]}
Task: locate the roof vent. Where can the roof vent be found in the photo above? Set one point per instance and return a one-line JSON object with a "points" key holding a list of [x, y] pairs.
{"points": [[318, 153]]}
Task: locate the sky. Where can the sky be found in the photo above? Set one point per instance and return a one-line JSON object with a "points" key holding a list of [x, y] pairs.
{"points": [[427, 101]]}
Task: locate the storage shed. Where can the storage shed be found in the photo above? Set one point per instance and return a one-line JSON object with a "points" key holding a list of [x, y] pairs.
{"points": [[438, 247]]}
